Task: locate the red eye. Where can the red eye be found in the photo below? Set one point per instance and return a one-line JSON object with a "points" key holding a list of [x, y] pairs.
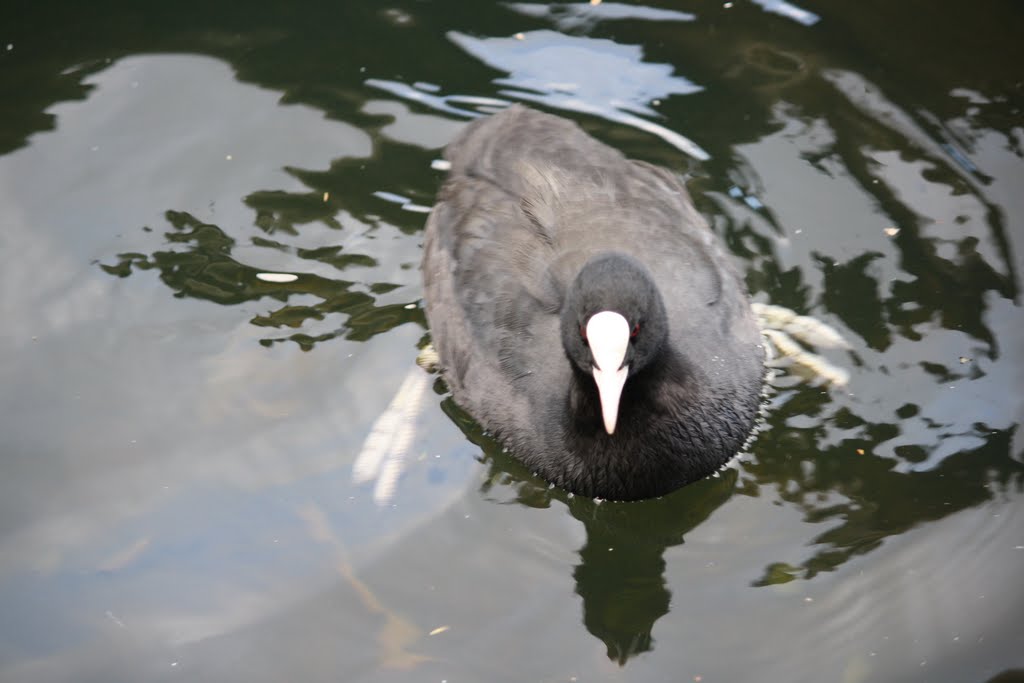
{"points": [[583, 332], [636, 330]]}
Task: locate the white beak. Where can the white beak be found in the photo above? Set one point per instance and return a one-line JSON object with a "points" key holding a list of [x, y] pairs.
{"points": [[608, 336]]}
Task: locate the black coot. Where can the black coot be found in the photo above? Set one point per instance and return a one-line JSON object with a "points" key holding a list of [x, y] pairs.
{"points": [[584, 312]]}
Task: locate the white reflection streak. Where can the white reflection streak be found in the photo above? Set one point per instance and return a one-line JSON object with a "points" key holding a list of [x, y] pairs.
{"points": [[404, 202], [435, 102], [788, 10], [384, 450], [572, 16], [680, 142]]}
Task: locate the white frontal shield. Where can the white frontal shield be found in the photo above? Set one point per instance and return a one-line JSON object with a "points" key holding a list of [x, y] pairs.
{"points": [[608, 336]]}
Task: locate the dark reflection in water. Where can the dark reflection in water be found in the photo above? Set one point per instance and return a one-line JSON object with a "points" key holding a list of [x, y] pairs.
{"points": [[205, 269], [877, 500], [621, 572], [1008, 676], [620, 575]]}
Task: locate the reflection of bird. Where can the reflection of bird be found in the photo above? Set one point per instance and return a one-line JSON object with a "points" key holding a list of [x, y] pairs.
{"points": [[584, 312], [620, 576]]}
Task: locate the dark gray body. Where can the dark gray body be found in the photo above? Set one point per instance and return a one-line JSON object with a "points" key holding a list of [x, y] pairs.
{"points": [[529, 199]]}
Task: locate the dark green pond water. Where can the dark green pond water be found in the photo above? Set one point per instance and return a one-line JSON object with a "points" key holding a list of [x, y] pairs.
{"points": [[177, 435]]}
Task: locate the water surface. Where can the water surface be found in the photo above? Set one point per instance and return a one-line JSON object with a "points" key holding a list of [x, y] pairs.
{"points": [[177, 435]]}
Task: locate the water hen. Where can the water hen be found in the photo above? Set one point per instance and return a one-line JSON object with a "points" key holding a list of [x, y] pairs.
{"points": [[584, 312]]}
